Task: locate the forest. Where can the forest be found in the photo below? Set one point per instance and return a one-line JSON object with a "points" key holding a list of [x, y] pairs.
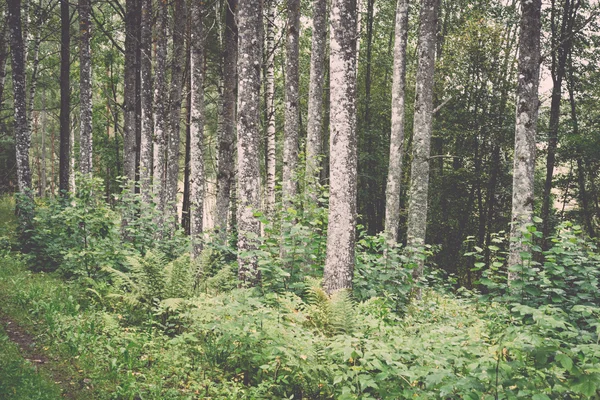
{"points": [[299, 199]]}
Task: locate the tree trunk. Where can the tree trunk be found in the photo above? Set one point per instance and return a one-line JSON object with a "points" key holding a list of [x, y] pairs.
{"points": [[43, 183], [130, 145], [341, 235], [270, 108], [394, 179], [249, 23], [292, 109], [85, 89], [422, 129], [5, 35], [226, 150], [525, 128], [146, 105], [174, 140], [562, 42], [197, 129], [160, 109], [22, 134], [65, 98], [314, 129]]}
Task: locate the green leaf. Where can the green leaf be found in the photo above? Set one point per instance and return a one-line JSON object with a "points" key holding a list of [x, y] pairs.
{"points": [[540, 396], [565, 361]]}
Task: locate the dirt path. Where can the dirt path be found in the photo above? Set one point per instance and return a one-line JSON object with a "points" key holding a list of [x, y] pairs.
{"points": [[72, 387]]}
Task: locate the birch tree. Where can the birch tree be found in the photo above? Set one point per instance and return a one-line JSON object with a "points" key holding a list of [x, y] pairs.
{"points": [[249, 21], [160, 108], [341, 236], [292, 109], [394, 179], [270, 105], [146, 98], [525, 129], [226, 166], [315, 93], [130, 145], [22, 133], [422, 128], [65, 98], [197, 128], [85, 89]]}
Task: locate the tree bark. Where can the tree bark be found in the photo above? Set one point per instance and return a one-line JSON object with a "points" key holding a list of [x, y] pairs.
{"points": [[22, 133], [292, 109], [146, 98], [197, 129], [226, 150], [249, 23], [160, 109], [341, 235], [176, 97], [394, 179], [130, 145], [43, 168], [314, 128], [5, 35], [85, 89], [422, 129], [525, 128], [270, 108], [65, 99]]}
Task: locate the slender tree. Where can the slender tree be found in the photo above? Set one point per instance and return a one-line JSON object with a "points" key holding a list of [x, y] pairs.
{"points": [[85, 89], [65, 98], [160, 107], [226, 163], [270, 106], [176, 98], [525, 129], [394, 179], [197, 128], [315, 93], [341, 236], [249, 22], [292, 106], [22, 134], [422, 128], [147, 101], [130, 145]]}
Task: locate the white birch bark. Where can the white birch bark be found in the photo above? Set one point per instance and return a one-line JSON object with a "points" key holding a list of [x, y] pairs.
{"points": [[248, 188], [525, 129], [315, 95], [226, 152], [160, 109], [146, 98], [85, 89], [22, 133], [423, 124], [270, 104], [394, 179], [341, 235], [197, 129], [129, 95], [292, 109]]}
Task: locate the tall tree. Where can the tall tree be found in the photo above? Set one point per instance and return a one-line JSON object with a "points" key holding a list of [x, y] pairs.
{"points": [[146, 99], [422, 128], [85, 89], [65, 98], [197, 128], [22, 134], [226, 167], [525, 129], [341, 235], [160, 107], [292, 106], [315, 93], [561, 39], [392, 193], [249, 22], [270, 106], [176, 98], [130, 144]]}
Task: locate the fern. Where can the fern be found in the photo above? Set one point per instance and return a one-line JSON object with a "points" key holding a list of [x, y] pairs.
{"points": [[331, 315]]}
